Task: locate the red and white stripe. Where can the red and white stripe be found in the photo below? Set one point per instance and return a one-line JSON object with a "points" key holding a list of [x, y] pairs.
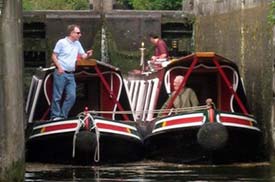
{"points": [[116, 128], [181, 121], [56, 128], [237, 121]]}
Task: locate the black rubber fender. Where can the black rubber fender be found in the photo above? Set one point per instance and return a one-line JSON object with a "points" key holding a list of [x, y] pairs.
{"points": [[212, 136], [85, 141]]}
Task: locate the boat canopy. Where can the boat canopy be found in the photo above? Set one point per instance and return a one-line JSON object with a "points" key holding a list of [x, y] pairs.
{"points": [[211, 76]]}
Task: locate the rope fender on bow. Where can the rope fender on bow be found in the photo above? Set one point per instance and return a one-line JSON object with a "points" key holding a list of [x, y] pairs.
{"points": [[82, 117]]}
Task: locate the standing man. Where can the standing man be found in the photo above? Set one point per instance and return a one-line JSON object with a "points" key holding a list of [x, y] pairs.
{"points": [[64, 57]]}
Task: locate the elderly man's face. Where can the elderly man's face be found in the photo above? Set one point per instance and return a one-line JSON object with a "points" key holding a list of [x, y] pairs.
{"points": [[177, 83]]}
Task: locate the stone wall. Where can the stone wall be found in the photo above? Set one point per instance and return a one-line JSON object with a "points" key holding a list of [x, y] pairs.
{"points": [[53, 27], [239, 30], [125, 30], [11, 97]]}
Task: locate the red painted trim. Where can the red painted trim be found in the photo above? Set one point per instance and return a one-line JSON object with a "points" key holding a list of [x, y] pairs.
{"points": [[229, 85], [186, 76], [58, 127], [86, 121], [235, 120], [114, 97], [112, 127], [184, 121], [211, 115]]}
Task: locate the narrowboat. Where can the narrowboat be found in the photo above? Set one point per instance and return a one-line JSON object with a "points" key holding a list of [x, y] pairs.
{"points": [[221, 130], [100, 127]]}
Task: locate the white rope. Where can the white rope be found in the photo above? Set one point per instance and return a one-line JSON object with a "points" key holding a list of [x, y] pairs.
{"points": [[88, 115], [80, 124], [97, 134]]}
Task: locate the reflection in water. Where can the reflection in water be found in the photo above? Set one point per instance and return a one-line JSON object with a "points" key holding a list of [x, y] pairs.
{"points": [[150, 171]]}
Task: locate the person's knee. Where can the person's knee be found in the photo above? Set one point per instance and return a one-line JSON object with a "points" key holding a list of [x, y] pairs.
{"points": [[72, 96]]}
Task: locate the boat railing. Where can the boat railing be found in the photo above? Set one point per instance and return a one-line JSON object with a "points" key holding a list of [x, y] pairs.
{"points": [[142, 96], [155, 111]]}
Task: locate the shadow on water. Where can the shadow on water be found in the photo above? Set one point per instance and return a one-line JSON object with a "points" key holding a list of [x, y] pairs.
{"points": [[150, 171]]}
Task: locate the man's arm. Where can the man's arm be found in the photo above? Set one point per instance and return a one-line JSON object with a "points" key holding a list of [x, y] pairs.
{"points": [[87, 54]]}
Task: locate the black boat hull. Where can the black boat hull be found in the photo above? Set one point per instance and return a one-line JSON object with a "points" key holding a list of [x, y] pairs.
{"points": [[182, 146], [108, 142]]}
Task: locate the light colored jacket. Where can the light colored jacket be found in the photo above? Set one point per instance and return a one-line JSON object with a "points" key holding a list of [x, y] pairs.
{"points": [[186, 98]]}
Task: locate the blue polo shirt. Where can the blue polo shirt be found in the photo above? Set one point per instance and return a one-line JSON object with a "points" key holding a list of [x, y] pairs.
{"points": [[67, 52]]}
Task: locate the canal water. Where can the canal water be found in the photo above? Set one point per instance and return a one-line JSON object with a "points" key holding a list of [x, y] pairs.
{"points": [[148, 171]]}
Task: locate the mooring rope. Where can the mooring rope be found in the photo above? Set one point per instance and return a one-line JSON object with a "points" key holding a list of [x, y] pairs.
{"points": [[87, 115], [97, 134], [81, 123]]}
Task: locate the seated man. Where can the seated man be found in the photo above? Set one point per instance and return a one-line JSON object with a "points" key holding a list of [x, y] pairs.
{"points": [[161, 52], [185, 98]]}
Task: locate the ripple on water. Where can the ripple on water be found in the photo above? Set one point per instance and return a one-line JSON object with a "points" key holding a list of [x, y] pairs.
{"points": [[147, 171]]}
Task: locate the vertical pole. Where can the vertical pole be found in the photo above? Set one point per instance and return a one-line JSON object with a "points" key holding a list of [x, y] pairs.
{"points": [[107, 5], [102, 6], [12, 166]]}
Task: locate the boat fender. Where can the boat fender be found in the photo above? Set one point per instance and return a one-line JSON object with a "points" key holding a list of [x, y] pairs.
{"points": [[85, 142], [212, 136]]}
